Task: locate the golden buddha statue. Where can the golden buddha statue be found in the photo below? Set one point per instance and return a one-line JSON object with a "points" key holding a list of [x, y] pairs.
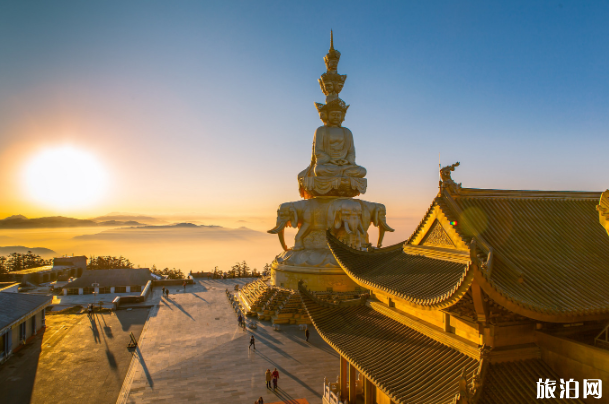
{"points": [[333, 171]]}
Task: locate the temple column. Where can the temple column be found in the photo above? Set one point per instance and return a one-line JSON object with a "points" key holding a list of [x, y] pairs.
{"points": [[369, 391], [352, 379], [344, 393]]}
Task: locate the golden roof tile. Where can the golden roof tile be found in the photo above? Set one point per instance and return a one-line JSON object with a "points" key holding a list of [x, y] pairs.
{"points": [[406, 365], [420, 280], [550, 253], [516, 382]]}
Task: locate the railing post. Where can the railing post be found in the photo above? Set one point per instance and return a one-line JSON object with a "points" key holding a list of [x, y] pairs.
{"points": [[352, 389], [344, 365]]}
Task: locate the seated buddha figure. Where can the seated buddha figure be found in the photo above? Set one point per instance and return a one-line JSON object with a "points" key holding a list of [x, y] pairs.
{"points": [[333, 149]]}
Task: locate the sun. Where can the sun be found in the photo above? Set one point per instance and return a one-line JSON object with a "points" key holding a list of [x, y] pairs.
{"points": [[65, 178]]}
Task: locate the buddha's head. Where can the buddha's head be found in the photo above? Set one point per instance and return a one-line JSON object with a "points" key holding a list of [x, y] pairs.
{"points": [[332, 113], [332, 83], [336, 109], [335, 118]]}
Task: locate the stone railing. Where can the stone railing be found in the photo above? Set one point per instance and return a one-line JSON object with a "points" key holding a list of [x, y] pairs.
{"points": [[118, 300], [331, 393]]}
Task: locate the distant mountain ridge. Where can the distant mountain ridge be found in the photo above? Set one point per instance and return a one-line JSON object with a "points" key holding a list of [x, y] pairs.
{"points": [[181, 225], [22, 250], [178, 231], [124, 217], [22, 222]]}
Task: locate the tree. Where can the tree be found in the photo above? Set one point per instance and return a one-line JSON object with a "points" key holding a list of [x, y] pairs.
{"points": [[3, 266], [168, 273], [235, 270], [266, 270], [108, 262], [17, 262], [245, 270]]}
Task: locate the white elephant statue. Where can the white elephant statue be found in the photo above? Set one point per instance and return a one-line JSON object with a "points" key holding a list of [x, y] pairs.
{"points": [[375, 213], [345, 222], [299, 214]]}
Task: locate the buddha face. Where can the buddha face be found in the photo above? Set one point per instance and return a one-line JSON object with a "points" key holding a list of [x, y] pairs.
{"points": [[335, 118], [338, 86], [331, 63], [329, 87], [323, 115]]}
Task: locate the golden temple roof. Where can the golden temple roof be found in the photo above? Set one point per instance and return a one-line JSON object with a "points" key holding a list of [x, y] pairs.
{"points": [[550, 254], [418, 279], [542, 254], [516, 382], [411, 367], [406, 365]]}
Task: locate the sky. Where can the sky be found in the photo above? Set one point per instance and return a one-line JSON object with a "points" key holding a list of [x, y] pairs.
{"points": [[207, 108]]}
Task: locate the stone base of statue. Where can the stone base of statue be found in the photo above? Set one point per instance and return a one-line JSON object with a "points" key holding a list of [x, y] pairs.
{"points": [[348, 187], [316, 267]]}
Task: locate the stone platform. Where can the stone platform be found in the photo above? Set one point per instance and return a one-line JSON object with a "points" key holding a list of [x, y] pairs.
{"points": [[192, 350], [316, 278]]}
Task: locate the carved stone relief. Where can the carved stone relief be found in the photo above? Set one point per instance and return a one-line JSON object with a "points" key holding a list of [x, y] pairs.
{"points": [[436, 236]]}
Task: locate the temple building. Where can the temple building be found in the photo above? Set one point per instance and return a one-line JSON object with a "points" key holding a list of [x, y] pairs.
{"points": [[499, 296]]}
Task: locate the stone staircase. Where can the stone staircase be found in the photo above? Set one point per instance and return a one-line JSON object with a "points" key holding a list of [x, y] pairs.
{"points": [[272, 303]]}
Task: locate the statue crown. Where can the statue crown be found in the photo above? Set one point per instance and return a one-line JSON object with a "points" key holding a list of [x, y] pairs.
{"points": [[333, 54]]}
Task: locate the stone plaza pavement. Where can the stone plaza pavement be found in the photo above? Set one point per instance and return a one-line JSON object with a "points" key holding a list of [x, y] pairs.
{"points": [[75, 360], [192, 351]]}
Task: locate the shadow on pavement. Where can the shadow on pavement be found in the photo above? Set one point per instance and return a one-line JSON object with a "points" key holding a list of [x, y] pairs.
{"points": [[180, 307], [282, 370], [144, 367], [20, 372]]}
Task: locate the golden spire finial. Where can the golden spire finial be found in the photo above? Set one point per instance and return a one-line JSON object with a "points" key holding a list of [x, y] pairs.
{"points": [[333, 55]]}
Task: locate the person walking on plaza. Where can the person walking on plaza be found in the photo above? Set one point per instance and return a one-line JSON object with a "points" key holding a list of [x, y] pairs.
{"points": [[252, 343], [184, 286], [268, 376], [90, 310], [167, 293], [275, 378], [163, 292], [240, 319], [307, 333], [260, 401]]}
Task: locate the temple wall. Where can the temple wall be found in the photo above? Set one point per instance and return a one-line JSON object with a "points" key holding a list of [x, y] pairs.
{"points": [[433, 317], [499, 336], [572, 359], [464, 330]]}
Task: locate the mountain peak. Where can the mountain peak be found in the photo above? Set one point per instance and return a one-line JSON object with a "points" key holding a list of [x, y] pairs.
{"points": [[15, 217]]}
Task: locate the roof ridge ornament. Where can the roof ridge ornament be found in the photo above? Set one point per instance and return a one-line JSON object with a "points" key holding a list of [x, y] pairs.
{"points": [[446, 181]]}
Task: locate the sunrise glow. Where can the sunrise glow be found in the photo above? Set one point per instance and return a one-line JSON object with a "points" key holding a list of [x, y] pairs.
{"points": [[64, 178]]}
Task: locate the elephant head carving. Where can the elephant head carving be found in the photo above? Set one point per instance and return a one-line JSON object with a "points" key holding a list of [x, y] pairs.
{"points": [[375, 213], [287, 215], [346, 215]]}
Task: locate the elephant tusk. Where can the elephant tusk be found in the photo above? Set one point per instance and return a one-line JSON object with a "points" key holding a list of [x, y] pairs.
{"points": [[282, 240], [361, 228], [385, 225], [347, 229], [278, 228]]}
